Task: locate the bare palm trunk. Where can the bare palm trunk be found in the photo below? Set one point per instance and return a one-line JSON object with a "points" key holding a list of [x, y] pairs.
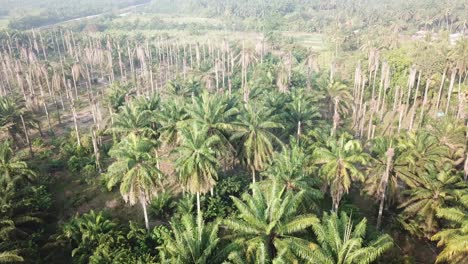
{"points": [[440, 91], [26, 135], [199, 216], [415, 100], [253, 175], [390, 153], [145, 213], [336, 116], [421, 117], [299, 124], [449, 96]]}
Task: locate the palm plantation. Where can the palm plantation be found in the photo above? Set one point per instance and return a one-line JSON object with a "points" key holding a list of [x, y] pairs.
{"points": [[280, 131]]}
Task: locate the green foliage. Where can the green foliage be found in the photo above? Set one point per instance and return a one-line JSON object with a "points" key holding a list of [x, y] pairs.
{"points": [[268, 225], [162, 205], [196, 162], [12, 170], [192, 241], [339, 165], [339, 241]]}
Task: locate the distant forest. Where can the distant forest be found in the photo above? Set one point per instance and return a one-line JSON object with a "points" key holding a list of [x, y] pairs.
{"points": [[315, 15], [29, 14]]}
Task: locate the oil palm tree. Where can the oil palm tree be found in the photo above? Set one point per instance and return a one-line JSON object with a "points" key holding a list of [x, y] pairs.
{"points": [[339, 165], [454, 238], [268, 225], [292, 169], [16, 220], [11, 169], [387, 171], [338, 95], [15, 117], [170, 118], [215, 113], [451, 134], [135, 170], [196, 162], [301, 111], [340, 242], [85, 233], [435, 190], [253, 130], [422, 151], [149, 104], [189, 243], [133, 119]]}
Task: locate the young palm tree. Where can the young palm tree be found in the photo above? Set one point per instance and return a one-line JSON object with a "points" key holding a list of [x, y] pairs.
{"points": [[85, 233], [268, 224], [454, 238], [196, 162], [188, 243], [436, 190], [254, 131], [338, 241], [340, 162], [135, 169], [12, 170], [15, 221], [292, 169]]}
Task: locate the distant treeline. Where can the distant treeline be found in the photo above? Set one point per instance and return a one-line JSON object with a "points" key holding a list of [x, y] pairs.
{"points": [[316, 15], [66, 10]]}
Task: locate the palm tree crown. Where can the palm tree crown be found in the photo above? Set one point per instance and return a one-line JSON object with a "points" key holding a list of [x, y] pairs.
{"points": [[339, 242], [339, 163], [268, 223]]}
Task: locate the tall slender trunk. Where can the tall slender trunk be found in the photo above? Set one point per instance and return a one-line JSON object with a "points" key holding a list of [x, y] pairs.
{"points": [[336, 117], [47, 115], [26, 135], [145, 213], [75, 121], [299, 124], [415, 99], [199, 216], [439, 96], [449, 96], [253, 175], [390, 153], [96, 149], [421, 117]]}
